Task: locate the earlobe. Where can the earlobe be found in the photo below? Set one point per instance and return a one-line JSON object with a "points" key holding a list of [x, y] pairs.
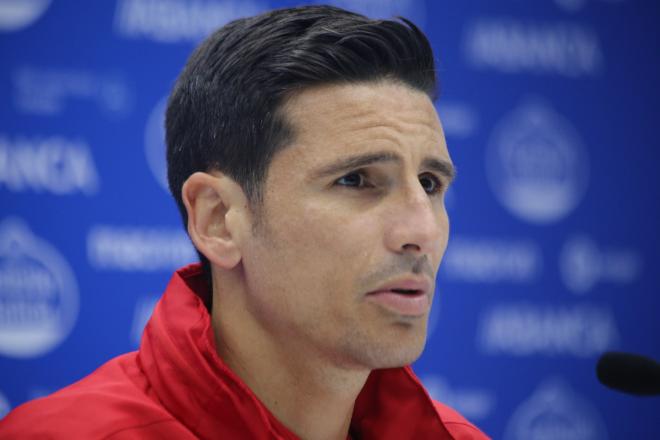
{"points": [[211, 201]]}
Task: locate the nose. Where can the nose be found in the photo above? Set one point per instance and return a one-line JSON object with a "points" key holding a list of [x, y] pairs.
{"points": [[417, 224]]}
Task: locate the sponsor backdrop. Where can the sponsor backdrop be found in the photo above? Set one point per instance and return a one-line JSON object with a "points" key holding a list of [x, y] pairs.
{"points": [[550, 114]]}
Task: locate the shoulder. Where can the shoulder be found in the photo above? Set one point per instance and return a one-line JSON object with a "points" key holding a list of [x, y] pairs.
{"points": [[110, 403], [456, 424]]}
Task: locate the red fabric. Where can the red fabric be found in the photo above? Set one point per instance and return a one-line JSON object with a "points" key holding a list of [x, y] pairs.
{"points": [[176, 387]]}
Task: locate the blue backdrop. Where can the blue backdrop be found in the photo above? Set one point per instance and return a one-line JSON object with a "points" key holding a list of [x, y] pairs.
{"points": [[550, 112]]}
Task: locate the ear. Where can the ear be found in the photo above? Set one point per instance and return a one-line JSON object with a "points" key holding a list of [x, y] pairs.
{"points": [[216, 207]]}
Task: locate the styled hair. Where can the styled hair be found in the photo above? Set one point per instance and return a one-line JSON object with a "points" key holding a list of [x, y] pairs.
{"points": [[225, 111]]}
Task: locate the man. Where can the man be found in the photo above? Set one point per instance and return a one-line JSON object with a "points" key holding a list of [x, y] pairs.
{"points": [[310, 168]]}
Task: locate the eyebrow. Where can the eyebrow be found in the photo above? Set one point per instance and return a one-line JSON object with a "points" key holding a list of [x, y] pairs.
{"points": [[440, 166]]}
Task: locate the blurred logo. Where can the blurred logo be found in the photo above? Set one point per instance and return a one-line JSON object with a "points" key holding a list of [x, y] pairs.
{"points": [[38, 293], [414, 10], [19, 14], [172, 21], [154, 143], [511, 46], [138, 249], [490, 260], [53, 164], [554, 412], [473, 403], [533, 330], [536, 164], [5, 407], [48, 91], [582, 264], [577, 5]]}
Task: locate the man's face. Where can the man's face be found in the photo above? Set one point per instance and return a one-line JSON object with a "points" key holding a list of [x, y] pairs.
{"points": [[353, 214]]}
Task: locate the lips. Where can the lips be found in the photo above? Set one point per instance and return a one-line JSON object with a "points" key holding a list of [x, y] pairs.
{"points": [[408, 297]]}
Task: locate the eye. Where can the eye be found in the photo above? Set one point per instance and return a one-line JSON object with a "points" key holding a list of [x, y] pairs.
{"points": [[430, 183], [354, 179]]}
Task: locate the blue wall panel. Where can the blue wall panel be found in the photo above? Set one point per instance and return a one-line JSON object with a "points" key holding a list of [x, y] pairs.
{"points": [[550, 112]]}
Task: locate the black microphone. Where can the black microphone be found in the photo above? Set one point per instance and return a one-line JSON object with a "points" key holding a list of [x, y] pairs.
{"points": [[630, 373]]}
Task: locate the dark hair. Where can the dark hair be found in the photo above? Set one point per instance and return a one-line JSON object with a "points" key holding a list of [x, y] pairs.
{"points": [[225, 110]]}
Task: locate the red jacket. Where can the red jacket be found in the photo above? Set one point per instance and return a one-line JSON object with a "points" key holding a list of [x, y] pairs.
{"points": [[176, 387]]}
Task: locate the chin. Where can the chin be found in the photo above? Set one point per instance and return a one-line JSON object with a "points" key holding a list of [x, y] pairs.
{"points": [[401, 358], [393, 353]]}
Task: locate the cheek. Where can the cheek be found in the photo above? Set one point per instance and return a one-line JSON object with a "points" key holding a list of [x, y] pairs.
{"points": [[323, 228], [305, 269], [342, 239], [298, 247], [443, 226], [322, 249]]}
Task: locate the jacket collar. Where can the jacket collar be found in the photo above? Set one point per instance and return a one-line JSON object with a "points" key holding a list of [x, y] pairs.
{"points": [[178, 356]]}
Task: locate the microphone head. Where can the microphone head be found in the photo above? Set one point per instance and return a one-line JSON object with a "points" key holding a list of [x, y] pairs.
{"points": [[630, 373]]}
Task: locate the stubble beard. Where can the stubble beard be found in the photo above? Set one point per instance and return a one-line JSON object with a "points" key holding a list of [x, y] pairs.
{"points": [[392, 348]]}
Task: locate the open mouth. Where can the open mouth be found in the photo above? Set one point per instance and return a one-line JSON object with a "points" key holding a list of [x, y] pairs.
{"points": [[407, 302], [406, 291]]}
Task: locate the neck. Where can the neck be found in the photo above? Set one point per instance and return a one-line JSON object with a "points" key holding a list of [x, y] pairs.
{"points": [[311, 395]]}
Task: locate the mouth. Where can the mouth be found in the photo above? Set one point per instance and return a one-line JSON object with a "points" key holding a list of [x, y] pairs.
{"points": [[407, 291], [411, 298]]}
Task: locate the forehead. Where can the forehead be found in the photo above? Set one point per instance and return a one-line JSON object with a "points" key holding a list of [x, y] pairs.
{"points": [[334, 120]]}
